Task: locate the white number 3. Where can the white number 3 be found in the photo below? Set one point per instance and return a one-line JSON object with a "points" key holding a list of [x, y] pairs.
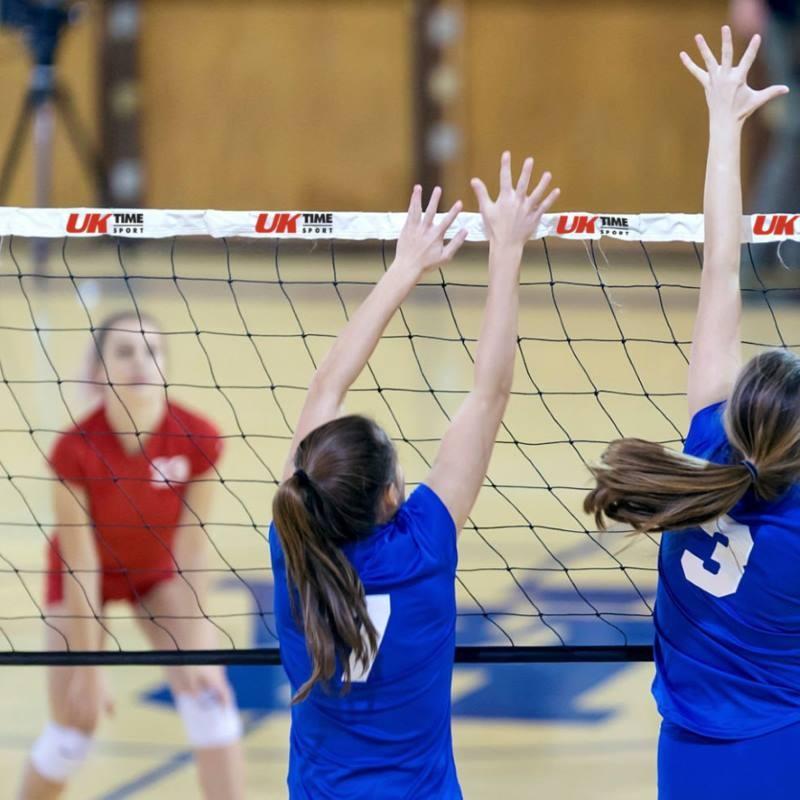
{"points": [[379, 608], [721, 573]]}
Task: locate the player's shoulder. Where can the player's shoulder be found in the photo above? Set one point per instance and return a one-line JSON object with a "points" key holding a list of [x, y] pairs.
{"points": [[424, 505], [77, 434], [183, 420], [706, 437], [426, 519]]}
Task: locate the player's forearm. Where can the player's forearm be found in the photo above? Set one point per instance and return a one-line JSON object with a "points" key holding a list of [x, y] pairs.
{"points": [[722, 203], [356, 343], [497, 344], [191, 556], [82, 605]]}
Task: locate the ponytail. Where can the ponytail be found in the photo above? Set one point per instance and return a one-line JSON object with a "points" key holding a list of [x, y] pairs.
{"points": [[652, 489], [354, 462]]}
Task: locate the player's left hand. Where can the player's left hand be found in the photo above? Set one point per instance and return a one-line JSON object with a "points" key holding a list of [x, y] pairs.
{"points": [[727, 92], [421, 246]]}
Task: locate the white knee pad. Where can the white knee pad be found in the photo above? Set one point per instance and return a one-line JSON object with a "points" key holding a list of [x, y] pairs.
{"points": [[58, 752], [208, 722]]}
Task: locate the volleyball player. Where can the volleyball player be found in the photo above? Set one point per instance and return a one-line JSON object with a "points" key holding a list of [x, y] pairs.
{"points": [[728, 605], [128, 510], [365, 578]]}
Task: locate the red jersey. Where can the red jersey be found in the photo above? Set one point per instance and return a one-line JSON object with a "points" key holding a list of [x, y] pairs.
{"points": [[135, 500]]}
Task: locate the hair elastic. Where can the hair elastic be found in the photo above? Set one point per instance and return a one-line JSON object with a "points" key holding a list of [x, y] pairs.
{"points": [[302, 477], [751, 468]]}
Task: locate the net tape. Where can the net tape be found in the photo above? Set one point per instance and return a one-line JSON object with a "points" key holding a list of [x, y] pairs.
{"points": [[357, 226]]}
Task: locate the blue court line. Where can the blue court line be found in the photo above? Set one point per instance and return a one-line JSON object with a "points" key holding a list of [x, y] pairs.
{"points": [[178, 761]]}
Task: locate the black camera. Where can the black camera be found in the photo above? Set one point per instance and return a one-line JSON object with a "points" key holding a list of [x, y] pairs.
{"points": [[40, 20]]}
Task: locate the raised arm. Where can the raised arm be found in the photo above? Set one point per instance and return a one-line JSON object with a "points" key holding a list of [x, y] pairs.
{"points": [[463, 458], [716, 340], [420, 247]]}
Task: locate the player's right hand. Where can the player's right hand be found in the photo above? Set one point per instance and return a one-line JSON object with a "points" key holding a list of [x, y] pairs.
{"points": [[511, 219], [88, 698]]}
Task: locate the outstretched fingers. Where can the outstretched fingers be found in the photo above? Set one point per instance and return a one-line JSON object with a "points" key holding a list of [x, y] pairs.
{"points": [[749, 55], [481, 193], [538, 193], [705, 51], [547, 203], [525, 177], [449, 218], [433, 205], [415, 204], [698, 73], [452, 247], [505, 171], [727, 47], [771, 92]]}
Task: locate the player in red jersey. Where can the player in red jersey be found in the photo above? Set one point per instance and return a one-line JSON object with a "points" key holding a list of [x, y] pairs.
{"points": [[136, 478]]}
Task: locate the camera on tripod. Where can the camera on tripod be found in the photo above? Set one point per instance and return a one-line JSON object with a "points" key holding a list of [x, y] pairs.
{"points": [[41, 22]]}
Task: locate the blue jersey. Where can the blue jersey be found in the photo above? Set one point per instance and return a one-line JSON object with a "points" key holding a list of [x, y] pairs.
{"points": [[727, 612], [389, 737]]}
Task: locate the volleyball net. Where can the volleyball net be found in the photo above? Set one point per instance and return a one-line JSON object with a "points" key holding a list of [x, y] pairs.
{"points": [[249, 302]]}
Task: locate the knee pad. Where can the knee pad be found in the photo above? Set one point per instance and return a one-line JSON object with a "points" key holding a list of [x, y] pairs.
{"points": [[59, 752], [208, 722]]}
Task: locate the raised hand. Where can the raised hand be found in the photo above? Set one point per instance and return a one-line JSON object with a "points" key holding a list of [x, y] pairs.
{"points": [[727, 92], [421, 242], [513, 218]]}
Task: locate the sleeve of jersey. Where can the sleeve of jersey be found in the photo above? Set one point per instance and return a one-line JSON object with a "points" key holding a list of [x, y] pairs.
{"points": [[706, 432], [432, 526], [66, 459], [205, 447]]}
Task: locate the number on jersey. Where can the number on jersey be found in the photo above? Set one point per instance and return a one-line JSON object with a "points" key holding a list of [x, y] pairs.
{"points": [[379, 608], [722, 572]]}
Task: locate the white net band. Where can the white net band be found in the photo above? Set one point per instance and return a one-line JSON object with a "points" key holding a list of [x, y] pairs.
{"points": [[358, 226]]}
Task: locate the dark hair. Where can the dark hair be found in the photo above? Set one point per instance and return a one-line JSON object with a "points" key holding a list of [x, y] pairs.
{"points": [[343, 470], [654, 489]]}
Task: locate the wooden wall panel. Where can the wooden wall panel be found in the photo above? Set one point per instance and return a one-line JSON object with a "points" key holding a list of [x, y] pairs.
{"points": [[596, 92], [276, 104], [306, 104]]}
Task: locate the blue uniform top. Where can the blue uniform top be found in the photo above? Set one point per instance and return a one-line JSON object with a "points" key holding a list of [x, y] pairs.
{"points": [[390, 736], [727, 612]]}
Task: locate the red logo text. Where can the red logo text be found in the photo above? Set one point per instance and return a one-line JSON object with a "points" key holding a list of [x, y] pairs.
{"points": [[774, 224]]}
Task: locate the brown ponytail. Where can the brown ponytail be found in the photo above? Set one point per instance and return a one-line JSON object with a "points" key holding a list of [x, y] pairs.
{"points": [[652, 488], [343, 470]]}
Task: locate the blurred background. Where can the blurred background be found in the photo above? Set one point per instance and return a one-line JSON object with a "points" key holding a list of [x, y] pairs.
{"points": [[342, 104]]}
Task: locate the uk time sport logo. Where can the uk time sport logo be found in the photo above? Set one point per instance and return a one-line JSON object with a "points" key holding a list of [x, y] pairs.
{"points": [[288, 223], [776, 225], [580, 224], [121, 223]]}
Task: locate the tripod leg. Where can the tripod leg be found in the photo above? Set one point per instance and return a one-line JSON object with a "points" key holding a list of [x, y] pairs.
{"points": [[87, 152], [11, 158], [43, 126]]}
